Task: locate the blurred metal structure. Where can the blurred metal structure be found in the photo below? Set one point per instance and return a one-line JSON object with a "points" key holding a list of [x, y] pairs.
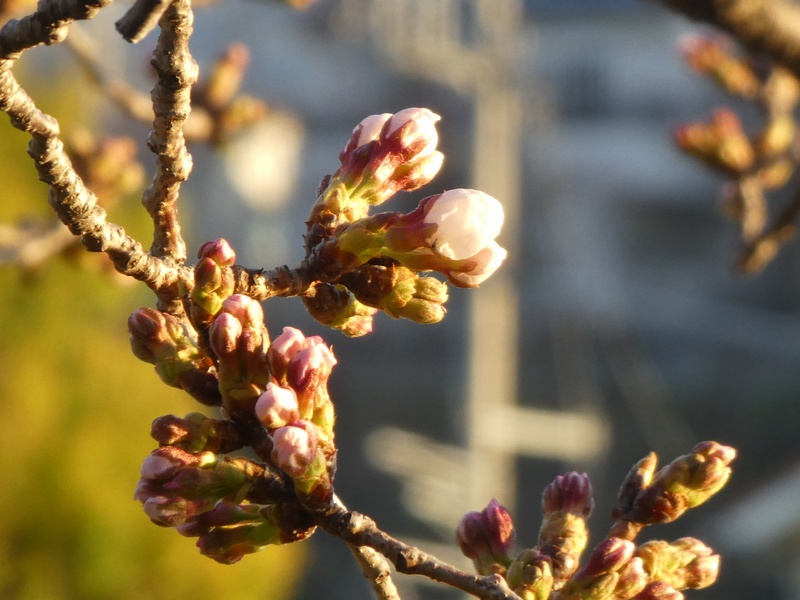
{"points": [[472, 46]]}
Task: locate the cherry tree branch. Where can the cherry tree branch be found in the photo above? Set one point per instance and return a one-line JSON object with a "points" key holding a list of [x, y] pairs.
{"points": [[75, 205], [359, 530], [376, 570], [177, 71], [771, 27]]}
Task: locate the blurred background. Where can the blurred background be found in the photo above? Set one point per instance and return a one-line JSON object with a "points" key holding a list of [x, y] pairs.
{"points": [[618, 325]]}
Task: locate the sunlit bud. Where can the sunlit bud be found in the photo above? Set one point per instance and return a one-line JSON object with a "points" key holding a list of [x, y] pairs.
{"points": [[417, 129], [308, 373], [570, 493], [782, 90], [155, 335], [338, 308], [399, 291], [721, 143], [714, 57], [283, 348], [227, 545], [219, 251], [658, 590], [609, 556], [225, 78], [196, 433], [370, 128], [225, 333], [170, 511], [636, 481], [245, 309], [684, 563], [487, 537], [776, 137], [530, 575], [466, 222], [294, 448], [483, 265], [563, 534], [277, 407], [686, 482], [632, 579]]}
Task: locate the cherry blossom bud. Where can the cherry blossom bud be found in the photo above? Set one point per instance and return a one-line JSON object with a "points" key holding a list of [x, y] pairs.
{"points": [[570, 493], [370, 128], [530, 575], [658, 590], [277, 407], [337, 307], [684, 563], [245, 309], [563, 535], [219, 251], [225, 333], [228, 545], [486, 262], [294, 448], [487, 537], [466, 222], [417, 127], [687, 482], [197, 433], [283, 348]]}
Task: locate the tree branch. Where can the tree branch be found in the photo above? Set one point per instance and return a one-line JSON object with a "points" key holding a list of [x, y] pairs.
{"points": [[74, 204], [177, 71], [359, 530], [771, 27], [377, 571]]}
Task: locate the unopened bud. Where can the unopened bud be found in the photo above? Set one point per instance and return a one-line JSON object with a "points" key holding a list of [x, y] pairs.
{"points": [[685, 563], [277, 407], [570, 493], [486, 537], [294, 448], [530, 575], [658, 590], [219, 252]]}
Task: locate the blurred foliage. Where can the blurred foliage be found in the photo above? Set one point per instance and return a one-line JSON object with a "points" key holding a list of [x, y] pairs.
{"points": [[75, 414]]}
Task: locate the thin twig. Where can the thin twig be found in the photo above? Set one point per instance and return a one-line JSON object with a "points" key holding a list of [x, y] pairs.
{"points": [[376, 569], [29, 246], [359, 530], [133, 102], [141, 18]]}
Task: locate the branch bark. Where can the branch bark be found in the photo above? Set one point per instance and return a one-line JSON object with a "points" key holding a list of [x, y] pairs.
{"points": [[771, 27], [359, 530]]}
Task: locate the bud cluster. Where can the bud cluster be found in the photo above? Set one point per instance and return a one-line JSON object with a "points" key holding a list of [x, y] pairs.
{"points": [[616, 568], [756, 163], [373, 262], [274, 399]]}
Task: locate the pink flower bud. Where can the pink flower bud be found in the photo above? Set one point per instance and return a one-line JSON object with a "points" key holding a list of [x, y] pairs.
{"points": [[245, 309], [487, 537], [466, 222], [225, 333], [570, 493], [218, 251], [316, 360], [417, 126], [487, 261], [294, 448], [277, 407], [370, 128], [283, 348]]}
